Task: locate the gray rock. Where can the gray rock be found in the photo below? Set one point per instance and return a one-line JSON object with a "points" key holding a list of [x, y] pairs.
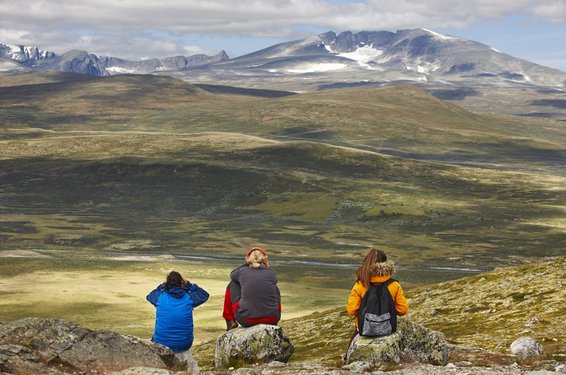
{"points": [[185, 361], [412, 343], [525, 347], [258, 344], [142, 371], [55, 346]]}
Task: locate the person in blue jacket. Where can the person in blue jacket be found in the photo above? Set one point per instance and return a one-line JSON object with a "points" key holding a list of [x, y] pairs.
{"points": [[174, 302]]}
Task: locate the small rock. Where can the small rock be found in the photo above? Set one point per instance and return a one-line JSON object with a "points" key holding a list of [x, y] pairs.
{"points": [[525, 347]]}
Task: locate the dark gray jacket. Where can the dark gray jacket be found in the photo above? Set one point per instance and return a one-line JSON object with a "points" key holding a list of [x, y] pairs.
{"points": [[260, 299]]}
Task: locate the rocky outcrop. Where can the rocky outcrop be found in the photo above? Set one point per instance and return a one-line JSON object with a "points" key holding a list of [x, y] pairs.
{"points": [[258, 344], [525, 347], [35, 345], [410, 344]]}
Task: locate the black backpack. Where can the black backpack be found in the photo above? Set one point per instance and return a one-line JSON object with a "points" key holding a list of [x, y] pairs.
{"points": [[377, 315]]}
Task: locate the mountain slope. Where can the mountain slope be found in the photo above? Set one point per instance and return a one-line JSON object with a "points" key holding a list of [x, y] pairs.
{"points": [[487, 311], [403, 121]]}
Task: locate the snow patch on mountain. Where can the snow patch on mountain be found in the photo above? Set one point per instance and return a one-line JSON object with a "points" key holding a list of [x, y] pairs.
{"points": [[440, 36], [316, 68], [119, 70], [362, 55]]}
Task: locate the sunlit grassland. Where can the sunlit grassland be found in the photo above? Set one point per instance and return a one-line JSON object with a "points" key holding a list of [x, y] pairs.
{"points": [[109, 294]]}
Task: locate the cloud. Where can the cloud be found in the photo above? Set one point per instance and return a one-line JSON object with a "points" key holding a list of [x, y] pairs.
{"points": [[160, 28]]}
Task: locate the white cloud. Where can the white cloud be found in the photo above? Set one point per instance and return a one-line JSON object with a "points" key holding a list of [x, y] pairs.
{"points": [[123, 27]]}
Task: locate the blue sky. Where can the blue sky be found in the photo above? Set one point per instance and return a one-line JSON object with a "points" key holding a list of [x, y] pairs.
{"points": [[534, 30]]}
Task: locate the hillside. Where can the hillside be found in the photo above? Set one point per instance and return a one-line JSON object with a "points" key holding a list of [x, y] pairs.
{"points": [[101, 163], [486, 312]]}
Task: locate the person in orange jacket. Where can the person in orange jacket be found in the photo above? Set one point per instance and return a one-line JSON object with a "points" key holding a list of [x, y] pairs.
{"points": [[375, 269]]}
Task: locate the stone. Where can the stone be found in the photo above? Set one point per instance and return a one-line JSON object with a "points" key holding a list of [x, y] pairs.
{"points": [[34, 345], [142, 371], [525, 347], [185, 361], [261, 343], [412, 343]]}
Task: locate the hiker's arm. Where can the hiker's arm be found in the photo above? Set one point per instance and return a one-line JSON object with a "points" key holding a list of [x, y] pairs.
{"points": [[154, 295], [401, 304], [198, 294], [354, 301]]}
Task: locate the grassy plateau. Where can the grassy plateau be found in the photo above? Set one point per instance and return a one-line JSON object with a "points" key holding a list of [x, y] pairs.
{"points": [[107, 184]]}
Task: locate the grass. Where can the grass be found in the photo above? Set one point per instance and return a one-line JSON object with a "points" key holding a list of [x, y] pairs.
{"points": [[107, 294], [143, 166]]}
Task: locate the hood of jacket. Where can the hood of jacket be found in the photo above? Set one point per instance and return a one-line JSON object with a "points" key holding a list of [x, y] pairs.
{"points": [[386, 268], [176, 291]]}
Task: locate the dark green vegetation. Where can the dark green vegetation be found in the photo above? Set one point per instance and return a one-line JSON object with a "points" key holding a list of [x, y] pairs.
{"points": [[153, 165]]}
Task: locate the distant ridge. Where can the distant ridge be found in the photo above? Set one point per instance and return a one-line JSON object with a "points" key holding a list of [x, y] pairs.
{"points": [[83, 62]]}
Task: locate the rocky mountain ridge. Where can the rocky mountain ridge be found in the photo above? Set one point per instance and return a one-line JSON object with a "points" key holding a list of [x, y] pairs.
{"points": [[77, 61], [416, 54]]}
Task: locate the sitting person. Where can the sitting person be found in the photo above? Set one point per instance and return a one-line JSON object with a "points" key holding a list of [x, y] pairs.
{"points": [[375, 269], [252, 296], [174, 302]]}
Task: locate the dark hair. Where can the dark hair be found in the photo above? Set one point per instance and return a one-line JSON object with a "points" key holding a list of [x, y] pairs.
{"points": [[174, 279], [367, 269]]}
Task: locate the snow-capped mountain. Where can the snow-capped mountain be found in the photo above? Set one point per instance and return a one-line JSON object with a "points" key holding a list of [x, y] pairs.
{"points": [[417, 55], [23, 53], [87, 63], [325, 60]]}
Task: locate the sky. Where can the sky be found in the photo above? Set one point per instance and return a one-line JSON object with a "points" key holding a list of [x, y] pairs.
{"points": [[534, 30]]}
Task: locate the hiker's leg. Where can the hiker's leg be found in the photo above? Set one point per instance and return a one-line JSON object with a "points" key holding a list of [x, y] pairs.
{"points": [[352, 337], [231, 302]]}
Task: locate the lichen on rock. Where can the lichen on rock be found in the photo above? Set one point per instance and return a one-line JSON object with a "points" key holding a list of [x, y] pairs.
{"points": [[410, 344], [258, 344]]}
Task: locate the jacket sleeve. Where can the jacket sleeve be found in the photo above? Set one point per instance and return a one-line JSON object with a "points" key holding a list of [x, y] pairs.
{"points": [[198, 295], [235, 274], [401, 304], [154, 295], [354, 300]]}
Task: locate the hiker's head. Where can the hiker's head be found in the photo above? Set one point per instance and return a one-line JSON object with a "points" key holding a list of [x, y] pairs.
{"points": [[375, 264], [174, 278], [256, 257]]}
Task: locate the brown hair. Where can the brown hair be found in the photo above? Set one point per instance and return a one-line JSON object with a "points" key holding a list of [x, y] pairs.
{"points": [[174, 279], [368, 267]]}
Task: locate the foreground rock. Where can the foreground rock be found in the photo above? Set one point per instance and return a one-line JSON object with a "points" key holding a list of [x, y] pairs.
{"points": [[412, 343], [55, 346], [258, 344], [525, 347]]}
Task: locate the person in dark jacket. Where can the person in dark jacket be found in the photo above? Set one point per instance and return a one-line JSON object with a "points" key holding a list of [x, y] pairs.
{"points": [[252, 296], [174, 302]]}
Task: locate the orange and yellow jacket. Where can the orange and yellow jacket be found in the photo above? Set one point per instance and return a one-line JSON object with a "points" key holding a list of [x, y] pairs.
{"points": [[358, 292]]}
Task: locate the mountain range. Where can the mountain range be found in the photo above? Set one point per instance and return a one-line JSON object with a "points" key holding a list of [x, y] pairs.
{"points": [[32, 59], [475, 75]]}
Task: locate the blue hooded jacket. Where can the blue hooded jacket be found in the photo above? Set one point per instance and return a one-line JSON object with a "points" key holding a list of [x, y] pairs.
{"points": [[174, 314]]}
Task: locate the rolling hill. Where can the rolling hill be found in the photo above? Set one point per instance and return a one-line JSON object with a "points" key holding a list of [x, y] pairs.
{"points": [[161, 165]]}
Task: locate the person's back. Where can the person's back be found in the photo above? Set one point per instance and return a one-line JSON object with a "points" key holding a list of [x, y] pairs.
{"points": [[252, 296], [375, 269], [174, 302], [259, 294]]}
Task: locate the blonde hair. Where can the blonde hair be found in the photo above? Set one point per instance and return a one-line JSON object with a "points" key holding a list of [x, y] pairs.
{"points": [[256, 257]]}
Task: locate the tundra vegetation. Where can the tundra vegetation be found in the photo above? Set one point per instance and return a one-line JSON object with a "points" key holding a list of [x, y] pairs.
{"points": [[106, 184]]}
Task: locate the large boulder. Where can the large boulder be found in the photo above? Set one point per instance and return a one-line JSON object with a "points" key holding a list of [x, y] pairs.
{"points": [[525, 347], [410, 344], [68, 347], [258, 344]]}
